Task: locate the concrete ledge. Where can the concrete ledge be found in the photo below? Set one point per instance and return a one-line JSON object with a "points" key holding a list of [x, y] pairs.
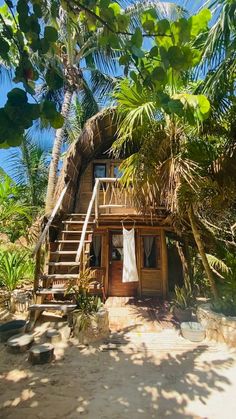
{"points": [[218, 327]]}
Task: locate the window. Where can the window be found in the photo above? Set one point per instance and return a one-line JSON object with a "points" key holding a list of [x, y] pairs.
{"points": [[151, 253], [95, 252], [99, 170], [117, 172], [117, 247]]}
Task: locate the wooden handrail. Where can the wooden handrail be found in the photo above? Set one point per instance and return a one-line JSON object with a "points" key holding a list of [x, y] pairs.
{"points": [[46, 228], [88, 215]]}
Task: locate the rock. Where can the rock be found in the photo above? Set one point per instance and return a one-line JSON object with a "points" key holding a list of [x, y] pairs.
{"points": [[20, 343], [41, 354], [53, 335], [11, 328], [218, 326]]}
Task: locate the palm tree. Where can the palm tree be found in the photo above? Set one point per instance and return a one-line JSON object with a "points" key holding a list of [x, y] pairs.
{"points": [[29, 168], [80, 54]]}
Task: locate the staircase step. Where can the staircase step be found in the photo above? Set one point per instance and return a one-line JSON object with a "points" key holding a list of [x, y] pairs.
{"points": [[76, 231], [61, 276], [67, 252], [63, 263], [45, 291], [76, 222], [52, 306], [71, 241]]}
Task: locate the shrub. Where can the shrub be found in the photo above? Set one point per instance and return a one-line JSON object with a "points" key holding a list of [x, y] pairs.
{"points": [[226, 304], [15, 266], [87, 304]]}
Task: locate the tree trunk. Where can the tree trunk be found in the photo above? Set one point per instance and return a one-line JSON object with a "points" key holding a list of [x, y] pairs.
{"points": [[56, 153], [202, 252], [183, 259]]}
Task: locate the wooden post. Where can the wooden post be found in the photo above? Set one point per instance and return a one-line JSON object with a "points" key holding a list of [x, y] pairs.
{"points": [[37, 268], [164, 263]]}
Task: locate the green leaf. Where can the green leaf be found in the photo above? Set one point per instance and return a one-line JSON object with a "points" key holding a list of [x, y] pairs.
{"points": [[176, 107], [116, 8], [137, 38], [154, 52], [37, 10], [124, 59], [204, 104], [199, 22], [22, 8], [4, 48], [137, 51], [50, 34], [163, 27], [122, 22], [159, 75], [148, 20], [53, 79], [17, 97], [49, 109], [57, 121], [181, 31], [176, 57]]}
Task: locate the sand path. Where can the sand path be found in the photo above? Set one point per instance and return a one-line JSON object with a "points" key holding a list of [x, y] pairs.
{"points": [[134, 374]]}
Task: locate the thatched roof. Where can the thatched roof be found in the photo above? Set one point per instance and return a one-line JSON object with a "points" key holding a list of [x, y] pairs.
{"points": [[97, 136]]}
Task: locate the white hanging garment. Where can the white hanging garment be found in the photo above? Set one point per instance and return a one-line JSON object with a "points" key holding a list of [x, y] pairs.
{"points": [[130, 273]]}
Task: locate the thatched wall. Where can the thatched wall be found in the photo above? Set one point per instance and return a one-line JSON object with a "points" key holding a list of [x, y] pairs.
{"points": [[97, 136]]}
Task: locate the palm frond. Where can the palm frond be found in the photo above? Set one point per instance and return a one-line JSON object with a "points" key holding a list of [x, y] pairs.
{"points": [[217, 264]]}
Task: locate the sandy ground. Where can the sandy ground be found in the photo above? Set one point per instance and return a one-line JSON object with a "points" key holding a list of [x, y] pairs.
{"points": [[135, 373]]}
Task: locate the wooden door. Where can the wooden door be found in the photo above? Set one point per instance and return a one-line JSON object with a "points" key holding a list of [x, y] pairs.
{"points": [[116, 286]]}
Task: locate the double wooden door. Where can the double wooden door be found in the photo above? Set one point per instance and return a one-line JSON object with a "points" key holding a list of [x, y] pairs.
{"points": [[116, 286]]}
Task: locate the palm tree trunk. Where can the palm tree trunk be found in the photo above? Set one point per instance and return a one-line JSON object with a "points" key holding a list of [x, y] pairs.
{"points": [[202, 252], [56, 153]]}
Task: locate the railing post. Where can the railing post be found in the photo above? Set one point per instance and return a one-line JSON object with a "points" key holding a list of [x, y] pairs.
{"points": [[88, 215], [37, 268]]}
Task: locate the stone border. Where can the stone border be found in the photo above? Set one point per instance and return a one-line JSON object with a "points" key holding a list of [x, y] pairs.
{"points": [[218, 326]]}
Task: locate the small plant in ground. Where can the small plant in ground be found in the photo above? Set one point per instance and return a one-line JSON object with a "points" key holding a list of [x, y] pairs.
{"points": [[15, 266], [87, 304], [184, 297]]}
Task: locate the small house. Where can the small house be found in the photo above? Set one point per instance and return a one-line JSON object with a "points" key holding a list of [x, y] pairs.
{"points": [[92, 207]]}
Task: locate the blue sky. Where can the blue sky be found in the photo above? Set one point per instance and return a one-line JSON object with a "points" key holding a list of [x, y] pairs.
{"points": [[46, 139]]}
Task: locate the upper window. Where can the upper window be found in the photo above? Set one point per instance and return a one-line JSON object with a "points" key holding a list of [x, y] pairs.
{"points": [[99, 171], [151, 253]]}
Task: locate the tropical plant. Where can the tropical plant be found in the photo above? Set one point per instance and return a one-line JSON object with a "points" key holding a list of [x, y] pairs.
{"points": [[184, 296], [87, 304], [15, 213], [15, 266], [29, 168]]}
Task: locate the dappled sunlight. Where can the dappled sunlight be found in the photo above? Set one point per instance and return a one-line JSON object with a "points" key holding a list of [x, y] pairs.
{"points": [[128, 375]]}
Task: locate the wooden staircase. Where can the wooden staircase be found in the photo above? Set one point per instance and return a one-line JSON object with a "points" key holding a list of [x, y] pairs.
{"points": [[63, 267]]}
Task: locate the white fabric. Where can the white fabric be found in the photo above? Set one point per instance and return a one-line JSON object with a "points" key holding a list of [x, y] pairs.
{"points": [[130, 273]]}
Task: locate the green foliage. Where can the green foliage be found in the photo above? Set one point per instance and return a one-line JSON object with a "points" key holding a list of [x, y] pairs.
{"points": [[15, 214], [184, 296], [15, 266], [226, 303], [87, 304]]}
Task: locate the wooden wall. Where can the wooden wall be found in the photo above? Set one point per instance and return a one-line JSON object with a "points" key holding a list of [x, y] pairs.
{"points": [[152, 282]]}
